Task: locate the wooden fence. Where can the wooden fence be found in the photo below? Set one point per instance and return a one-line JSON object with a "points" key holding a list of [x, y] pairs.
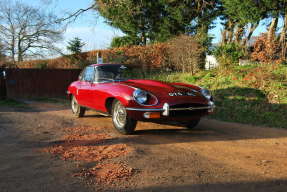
{"points": [[28, 83]]}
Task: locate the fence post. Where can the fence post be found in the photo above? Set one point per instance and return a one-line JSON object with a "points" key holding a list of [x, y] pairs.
{"points": [[3, 91]]}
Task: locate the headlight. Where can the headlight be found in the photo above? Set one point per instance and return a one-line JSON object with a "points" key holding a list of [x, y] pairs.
{"points": [[140, 96], [206, 93]]}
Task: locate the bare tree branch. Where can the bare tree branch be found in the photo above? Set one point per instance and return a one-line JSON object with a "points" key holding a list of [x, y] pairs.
{"points": [[76, 14], [27, 30]]}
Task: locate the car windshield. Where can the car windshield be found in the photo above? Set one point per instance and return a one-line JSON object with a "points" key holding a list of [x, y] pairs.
{"points": [[112, 73]]}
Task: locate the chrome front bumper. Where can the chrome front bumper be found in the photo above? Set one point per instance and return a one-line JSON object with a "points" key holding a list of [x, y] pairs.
{"points": [[166, 109]]}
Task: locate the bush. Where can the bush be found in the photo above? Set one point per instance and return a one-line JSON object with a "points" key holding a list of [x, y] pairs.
{"points": [[265, 51], [42, 65], [143, 57], [228, 54], [186, 54]]}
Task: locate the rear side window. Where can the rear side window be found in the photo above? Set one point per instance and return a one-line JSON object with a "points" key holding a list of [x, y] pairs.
{"points": [[88, 74]]}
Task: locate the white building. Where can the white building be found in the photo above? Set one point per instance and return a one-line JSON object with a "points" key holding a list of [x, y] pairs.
{"points": [[210, 62]]}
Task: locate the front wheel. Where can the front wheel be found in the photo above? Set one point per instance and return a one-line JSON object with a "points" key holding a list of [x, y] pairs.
{"points": [[192, 124], [122, 122], [77, 110]]}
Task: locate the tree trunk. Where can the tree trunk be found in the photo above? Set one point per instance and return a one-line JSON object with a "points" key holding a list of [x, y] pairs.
{"points": [[144, 39], [13, 49], [230, 31], [239, 33], [203, 38], [272, 29], [20, 52], [223, 37], [282, 39], [251, 30]]}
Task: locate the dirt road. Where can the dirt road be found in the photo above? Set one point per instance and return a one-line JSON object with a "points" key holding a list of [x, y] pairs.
{"points": [[216, 156]]}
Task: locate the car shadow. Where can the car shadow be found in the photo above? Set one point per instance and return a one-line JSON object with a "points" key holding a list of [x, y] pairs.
{"points": [[235, 104], [208, 130], [95, 116], [230, 101]]}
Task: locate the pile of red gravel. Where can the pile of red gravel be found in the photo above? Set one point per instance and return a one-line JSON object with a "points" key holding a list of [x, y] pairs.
{"points": [[79, 145], [88, 148], [108, 173]]}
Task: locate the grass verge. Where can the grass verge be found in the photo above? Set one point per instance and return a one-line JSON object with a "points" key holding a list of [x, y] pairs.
{"points": [[12, 103], [252, 94], [56, 100]]}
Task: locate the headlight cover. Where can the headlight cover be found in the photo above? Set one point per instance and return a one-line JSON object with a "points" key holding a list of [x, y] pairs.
{"points": [[206, 93], [140, 96]]}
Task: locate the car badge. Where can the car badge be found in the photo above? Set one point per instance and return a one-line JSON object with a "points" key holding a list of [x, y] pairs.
{"points": [[174, 94], [123, 67]]}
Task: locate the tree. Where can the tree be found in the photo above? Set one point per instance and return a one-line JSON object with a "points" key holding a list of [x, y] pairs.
{"points": [[27, 31], [243, 16], [185, 54], [147, 21], [2, 51], [75, 45], [122, 42]]}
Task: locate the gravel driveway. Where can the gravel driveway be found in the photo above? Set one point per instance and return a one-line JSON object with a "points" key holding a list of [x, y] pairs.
{"points": [[44, 148]]}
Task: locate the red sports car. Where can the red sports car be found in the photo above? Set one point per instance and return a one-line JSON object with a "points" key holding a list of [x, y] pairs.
{"points": [[106, 89]]}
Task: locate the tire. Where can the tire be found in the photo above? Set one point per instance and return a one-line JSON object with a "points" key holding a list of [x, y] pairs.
{"points": [[121, 121], [77, 110], [192, 124]]}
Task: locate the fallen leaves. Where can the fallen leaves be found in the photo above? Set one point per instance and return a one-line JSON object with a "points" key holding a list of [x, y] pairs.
{"points": [[96, 148]]}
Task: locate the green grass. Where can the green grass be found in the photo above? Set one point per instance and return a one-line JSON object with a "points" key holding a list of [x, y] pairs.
{"points": [[252, 94], [12, 103]]}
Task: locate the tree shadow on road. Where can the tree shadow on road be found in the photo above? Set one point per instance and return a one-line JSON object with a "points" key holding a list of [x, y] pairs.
{"points": [[250, 106], [279, 185]]}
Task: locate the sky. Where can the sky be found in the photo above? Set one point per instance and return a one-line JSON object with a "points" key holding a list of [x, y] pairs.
{"points": [[91, 28]]}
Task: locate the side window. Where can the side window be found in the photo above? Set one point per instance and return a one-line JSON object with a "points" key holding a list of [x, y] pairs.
{"points": [[88, 74], [81, 76]]}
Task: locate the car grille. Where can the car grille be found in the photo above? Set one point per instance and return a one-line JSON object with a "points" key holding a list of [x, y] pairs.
{"points": [[187, 113], [187, 105]]}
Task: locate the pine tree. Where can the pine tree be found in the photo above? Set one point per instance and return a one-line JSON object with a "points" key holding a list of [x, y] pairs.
{"points": [[75, 45]]}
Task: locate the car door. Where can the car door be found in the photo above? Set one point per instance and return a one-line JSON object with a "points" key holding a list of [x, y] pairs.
{"points": [[84, 91], [98, 95]]}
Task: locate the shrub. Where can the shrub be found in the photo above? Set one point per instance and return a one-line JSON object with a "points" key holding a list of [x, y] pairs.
{"points": [[42, 65], [266, 51], [228, 54], [186, 53], [143, 57]]}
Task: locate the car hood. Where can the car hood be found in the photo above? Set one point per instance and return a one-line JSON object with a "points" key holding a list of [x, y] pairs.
{"points": [[162, 89]]}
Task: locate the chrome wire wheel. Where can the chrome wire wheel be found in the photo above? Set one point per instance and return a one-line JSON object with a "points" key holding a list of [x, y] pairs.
{"points": [[77, 110], [74, 105], [120, 115], [121, 120]]}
